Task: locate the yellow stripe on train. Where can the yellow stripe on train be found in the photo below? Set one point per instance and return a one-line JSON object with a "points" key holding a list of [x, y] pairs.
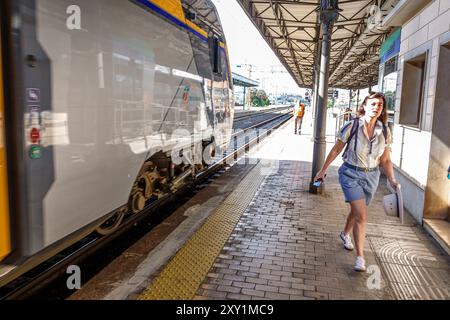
{"points": [[173, 7], [196, 28], [5, 242]]}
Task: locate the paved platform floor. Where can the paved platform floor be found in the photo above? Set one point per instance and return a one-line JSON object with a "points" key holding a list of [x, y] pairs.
{"points": [[286, 245], [280, 242]]}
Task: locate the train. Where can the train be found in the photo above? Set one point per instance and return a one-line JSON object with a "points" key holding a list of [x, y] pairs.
{"points": [[99, 101]]}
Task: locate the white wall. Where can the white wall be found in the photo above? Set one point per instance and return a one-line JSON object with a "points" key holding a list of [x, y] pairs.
{"points": [[411, 145]]}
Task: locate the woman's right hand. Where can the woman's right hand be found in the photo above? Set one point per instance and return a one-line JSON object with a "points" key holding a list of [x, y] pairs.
{"points": [[320, 176]]}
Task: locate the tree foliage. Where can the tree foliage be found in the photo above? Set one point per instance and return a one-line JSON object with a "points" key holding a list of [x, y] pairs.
{"points": [[259, 98]]}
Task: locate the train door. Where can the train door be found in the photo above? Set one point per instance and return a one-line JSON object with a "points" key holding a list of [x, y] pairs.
{"points": [[204, 68], [5, 241], [220, 87], [217, 78]]}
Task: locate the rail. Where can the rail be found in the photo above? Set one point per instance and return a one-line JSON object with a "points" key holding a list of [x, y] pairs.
{"points": [[250, 114]]}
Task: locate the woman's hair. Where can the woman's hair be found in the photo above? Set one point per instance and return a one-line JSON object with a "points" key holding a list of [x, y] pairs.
{"points": [[374, 95]]}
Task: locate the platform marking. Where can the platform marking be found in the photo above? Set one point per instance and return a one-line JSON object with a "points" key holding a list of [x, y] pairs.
{"points": [[184, 274]]}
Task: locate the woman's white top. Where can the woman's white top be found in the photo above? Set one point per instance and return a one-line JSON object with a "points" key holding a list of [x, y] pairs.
{"points": [[368, 150]]}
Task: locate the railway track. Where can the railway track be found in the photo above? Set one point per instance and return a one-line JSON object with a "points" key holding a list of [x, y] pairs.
{"points": [[50, 275], [240, 116]]}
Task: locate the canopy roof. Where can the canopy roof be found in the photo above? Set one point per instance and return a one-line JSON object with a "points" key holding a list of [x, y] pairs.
{"points": [[205, 9], [292, 29]]}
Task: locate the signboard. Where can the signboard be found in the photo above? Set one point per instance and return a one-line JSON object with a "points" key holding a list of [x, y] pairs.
{"points": [[333, 94], [391, 46]]}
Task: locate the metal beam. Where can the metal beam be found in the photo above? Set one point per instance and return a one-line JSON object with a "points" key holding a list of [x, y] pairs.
{"points": [[282, 25], [329, 14], [290, 29], [250, 10], [365, 32]]}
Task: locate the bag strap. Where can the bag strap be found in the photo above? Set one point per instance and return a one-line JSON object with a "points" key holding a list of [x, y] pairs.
{"points": [[385, 133], [354, 131]]}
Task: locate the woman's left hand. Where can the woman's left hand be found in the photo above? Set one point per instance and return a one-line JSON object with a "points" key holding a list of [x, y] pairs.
{"points": [[394, 184]]}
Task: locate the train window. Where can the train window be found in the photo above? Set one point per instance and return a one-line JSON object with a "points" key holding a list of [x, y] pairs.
{"points": [[202, 57]]}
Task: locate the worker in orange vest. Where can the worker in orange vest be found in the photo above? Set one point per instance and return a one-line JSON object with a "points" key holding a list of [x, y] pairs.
{"points": [[299, 113]]}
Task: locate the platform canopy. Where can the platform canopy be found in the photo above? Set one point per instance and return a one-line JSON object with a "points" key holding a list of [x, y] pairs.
{"points": [[292, 29], [206, 10], [242, 81]]}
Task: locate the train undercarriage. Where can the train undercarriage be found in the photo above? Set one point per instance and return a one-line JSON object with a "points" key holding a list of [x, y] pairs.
{"points": [[159, 177]]}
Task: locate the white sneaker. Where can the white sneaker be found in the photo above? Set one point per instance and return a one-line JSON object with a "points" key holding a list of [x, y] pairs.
{"points": [[360, 264], [347, 240]]}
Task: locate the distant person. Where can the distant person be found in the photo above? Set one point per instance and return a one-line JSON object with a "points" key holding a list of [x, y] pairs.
{"points": [[368, 141], [299, 113]]}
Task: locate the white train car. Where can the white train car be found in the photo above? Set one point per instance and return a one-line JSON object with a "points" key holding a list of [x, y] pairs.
{"points": [[97, 98]]}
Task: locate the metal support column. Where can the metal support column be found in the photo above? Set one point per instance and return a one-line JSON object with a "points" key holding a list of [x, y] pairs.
{"points": [[315, 96], [350, 99], [333, 98], [316, 90], [245, 97], [357, 100], [329, 14]]}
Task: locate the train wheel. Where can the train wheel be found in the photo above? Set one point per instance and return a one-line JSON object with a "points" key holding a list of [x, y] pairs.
{"points": [[137, 203], [112, 224]]}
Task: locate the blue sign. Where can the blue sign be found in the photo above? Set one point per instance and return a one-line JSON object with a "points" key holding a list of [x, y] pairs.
{"points": [[391, 47]]}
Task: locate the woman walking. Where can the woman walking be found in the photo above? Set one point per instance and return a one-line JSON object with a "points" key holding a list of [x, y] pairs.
{"points": [[368, 141]]}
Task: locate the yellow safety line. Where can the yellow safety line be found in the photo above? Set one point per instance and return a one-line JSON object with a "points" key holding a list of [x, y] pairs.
{"points": [[184, 274], [5, 242]]}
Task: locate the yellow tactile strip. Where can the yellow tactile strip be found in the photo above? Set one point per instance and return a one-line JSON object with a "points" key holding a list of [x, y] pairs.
{"points": [[184, 274]]}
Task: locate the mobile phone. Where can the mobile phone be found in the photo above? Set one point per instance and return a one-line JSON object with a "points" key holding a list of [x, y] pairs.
{"points": [[318, 183]]}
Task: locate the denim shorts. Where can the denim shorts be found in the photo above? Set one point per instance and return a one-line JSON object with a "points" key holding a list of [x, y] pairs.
{"points": [[358, 184]]}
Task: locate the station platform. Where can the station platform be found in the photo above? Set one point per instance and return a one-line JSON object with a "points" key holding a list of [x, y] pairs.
{"points": [[257, 233]]}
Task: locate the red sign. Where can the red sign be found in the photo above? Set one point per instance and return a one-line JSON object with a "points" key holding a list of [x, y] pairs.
{"points": [[35, 135]]}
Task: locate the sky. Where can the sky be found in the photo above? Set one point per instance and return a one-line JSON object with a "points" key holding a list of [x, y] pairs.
{"points": [[247, 47]]}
